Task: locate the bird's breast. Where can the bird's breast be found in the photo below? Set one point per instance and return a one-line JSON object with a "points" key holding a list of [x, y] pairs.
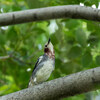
{"points": [[44, 72]]}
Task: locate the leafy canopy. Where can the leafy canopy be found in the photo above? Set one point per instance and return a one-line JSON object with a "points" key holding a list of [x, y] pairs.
{"points": [[76, 43]]}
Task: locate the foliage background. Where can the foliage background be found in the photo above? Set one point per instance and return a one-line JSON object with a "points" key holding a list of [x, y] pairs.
{"points": [[76, 43]]}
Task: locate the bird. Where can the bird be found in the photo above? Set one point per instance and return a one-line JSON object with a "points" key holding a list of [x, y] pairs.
{"points": [[44, 65]]}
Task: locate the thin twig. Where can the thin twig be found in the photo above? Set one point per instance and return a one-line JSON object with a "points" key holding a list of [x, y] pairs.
{"points": [[4, 57], [15, 58]]}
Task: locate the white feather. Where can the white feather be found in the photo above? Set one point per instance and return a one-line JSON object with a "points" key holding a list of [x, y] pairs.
{"points": [[35, 79], [44, 73]]}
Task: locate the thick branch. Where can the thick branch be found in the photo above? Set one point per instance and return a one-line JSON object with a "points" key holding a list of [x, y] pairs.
{"points": [[69, 11], [62, 87]]}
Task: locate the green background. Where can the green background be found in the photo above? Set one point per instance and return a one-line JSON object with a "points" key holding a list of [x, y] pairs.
{"points": [[76, 44]]}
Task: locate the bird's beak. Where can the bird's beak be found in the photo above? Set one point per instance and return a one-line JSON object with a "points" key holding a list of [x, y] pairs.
{"points": [[50, 45], [49, 41]]}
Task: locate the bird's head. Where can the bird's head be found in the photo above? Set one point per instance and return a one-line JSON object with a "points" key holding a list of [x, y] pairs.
{"points": [[49, 50]]}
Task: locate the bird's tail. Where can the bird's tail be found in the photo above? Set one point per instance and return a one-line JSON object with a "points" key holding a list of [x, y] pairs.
{"points": [[31, 83]]}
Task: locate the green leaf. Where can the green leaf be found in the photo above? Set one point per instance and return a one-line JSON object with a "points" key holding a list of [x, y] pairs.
{"points": [[91, 2], [2, 39], [81, 37], [53, 39], [12, 34], [35, 3], [86, 59], [71, 24], [98, 60], [75, 52], [70, 67]]}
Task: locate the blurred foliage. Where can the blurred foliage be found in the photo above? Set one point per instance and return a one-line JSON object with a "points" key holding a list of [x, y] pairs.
{"points": [[76, 43]]}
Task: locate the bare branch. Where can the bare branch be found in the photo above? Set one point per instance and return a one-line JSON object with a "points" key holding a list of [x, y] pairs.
{"points": [[4, 57], [15, 58], [21, 61], [62, 87], [69, 11]]}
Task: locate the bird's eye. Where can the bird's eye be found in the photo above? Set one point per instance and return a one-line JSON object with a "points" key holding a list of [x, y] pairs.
{"points": [[45, 45]]}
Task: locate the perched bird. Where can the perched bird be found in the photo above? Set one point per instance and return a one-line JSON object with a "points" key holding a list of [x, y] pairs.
{"points": [[44, 66]]}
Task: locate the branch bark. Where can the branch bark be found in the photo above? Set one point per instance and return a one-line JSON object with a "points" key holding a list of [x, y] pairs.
{"points": [[69, 11], [62, 87]]}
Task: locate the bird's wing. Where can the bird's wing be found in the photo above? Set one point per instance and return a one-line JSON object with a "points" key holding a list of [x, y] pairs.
{"points": [[37, 63], [33, 72]]}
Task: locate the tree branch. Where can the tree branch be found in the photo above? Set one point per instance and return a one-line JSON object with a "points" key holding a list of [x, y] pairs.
{"points": [[62, 87], [15, 58], [69, 11], [4, 57]]}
